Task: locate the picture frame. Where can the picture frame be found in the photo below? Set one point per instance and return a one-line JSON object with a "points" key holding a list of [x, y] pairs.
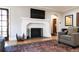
{"points": [[69, 20]]}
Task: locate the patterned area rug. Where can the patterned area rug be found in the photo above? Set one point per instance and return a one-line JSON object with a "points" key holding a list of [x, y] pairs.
{"points": [[47, 46]]}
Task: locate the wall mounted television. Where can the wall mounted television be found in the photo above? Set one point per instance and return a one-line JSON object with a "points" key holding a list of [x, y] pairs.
{"points": [[35, 13]]}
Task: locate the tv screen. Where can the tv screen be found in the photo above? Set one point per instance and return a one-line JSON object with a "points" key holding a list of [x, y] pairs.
{"points": [[35, 13]]}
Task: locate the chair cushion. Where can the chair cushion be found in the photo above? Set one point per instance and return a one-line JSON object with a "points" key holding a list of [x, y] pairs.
{"points": [[66, 37], [72, 30]]}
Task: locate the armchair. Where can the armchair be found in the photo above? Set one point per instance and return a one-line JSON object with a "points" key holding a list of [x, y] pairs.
{"points": [[2, 44]]}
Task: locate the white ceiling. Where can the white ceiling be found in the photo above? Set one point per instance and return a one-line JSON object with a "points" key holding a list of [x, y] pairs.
{"points": [[56, 8]]}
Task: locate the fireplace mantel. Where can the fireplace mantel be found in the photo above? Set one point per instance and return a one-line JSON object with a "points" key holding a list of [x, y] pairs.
{"points": [[34, 19]]}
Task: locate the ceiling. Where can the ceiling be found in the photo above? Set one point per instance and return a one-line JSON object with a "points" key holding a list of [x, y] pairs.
{"points": [[56, 8]]}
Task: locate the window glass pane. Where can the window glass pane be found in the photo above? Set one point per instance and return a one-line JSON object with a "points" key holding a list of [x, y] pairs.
{"points": [[0, 23], [0, 17], [0, 12], [0, 29], [4, 35], [0, 32], [4, 17], [4, 23], [4, 12], [4, 28]]}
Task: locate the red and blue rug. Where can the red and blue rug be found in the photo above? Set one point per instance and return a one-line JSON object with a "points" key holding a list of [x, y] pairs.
{"points": [[47, 46]]}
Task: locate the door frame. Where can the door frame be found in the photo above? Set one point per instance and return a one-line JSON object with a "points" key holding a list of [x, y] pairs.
{"points": [[7, 21]]}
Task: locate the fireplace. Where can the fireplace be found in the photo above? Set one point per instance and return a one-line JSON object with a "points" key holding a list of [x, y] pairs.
{"points": [[29, 24], [36, 32]]}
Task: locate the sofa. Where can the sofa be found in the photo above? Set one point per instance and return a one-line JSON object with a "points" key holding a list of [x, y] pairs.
{"points": [[71, 38]]}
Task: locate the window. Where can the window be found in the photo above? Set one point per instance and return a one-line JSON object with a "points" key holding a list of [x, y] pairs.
{"points": [[4, 23]]}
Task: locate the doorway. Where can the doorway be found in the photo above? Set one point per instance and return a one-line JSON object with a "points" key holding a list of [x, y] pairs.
{"points": [[54, 19], [54, 27]]}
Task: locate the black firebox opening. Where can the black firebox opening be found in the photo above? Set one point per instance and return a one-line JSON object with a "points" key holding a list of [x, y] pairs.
{"points": [[36, 32]]}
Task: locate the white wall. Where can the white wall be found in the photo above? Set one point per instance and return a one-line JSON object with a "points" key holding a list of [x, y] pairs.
{"points": [[51, 22], [15, 19], [59, 19], [70, 12]]}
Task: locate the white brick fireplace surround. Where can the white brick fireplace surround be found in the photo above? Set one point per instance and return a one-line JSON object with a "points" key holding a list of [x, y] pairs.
{"points": [[28, 23]]}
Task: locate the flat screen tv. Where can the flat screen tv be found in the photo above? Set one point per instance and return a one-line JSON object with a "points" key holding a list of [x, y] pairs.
{"points": [[35, 13]]}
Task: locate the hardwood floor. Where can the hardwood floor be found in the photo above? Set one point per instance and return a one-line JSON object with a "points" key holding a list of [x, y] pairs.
{"points": [[15, 42]]}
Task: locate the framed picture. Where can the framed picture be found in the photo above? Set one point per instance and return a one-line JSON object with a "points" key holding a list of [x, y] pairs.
{"points": [[69, 20]]}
